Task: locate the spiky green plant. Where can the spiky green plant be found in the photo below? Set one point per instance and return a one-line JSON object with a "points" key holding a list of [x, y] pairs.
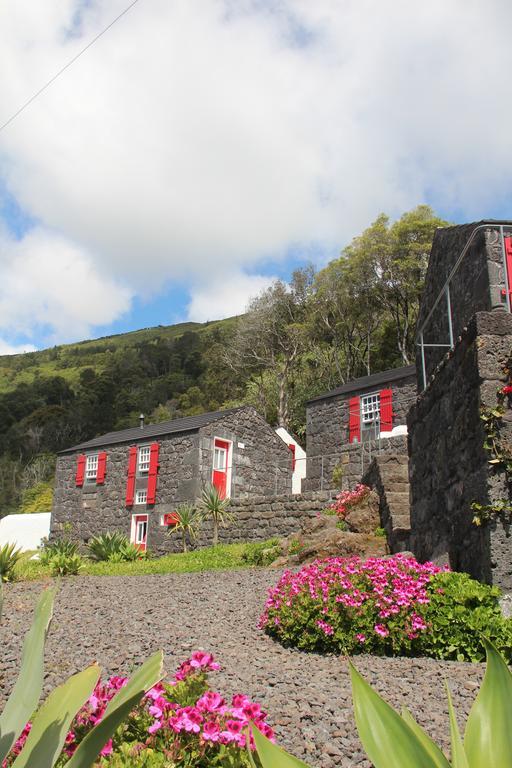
{"points": [[52, 720], [9, 556], [188, 522], [66, 565], [105, 545], [215, 509], [61, 547], [397, 741]]}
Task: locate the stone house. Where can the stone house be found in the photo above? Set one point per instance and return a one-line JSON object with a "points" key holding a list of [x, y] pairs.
{"points": [[345, 425], [132, 480]]}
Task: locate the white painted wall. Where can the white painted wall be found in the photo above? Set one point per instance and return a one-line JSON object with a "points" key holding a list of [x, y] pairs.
{"points": [[26, 531], [300, 459]]}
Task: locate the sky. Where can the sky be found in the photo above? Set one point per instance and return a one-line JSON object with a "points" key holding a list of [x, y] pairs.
{"points": [[202, 148]]}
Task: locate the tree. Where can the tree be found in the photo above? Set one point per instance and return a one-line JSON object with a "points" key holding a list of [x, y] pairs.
{"points": [[216, 509], [187, 523]]}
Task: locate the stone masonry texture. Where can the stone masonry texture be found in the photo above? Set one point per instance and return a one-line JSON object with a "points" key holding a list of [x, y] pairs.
{"points": [[261, 466], [477, 285], [449, 467], [327, 435]]}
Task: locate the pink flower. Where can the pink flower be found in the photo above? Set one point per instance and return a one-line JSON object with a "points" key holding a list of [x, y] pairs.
{"points": [[107, 749], [361, 638], [155, 726], [381, 630], [210, 701], [211, 731]]}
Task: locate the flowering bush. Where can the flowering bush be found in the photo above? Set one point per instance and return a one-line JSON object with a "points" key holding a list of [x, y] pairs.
{"points": [[181, 723], [347, 499], [390, 606]]}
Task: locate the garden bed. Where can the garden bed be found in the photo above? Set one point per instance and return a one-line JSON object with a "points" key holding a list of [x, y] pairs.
{"points": [[118, 621]]}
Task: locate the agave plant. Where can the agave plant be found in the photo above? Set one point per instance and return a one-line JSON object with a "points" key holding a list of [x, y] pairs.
{"points": [[215, 508], [392, 740], [61, 547], [105, 545], [9, 556], [187, 523], [51, 722], [66, 565]]}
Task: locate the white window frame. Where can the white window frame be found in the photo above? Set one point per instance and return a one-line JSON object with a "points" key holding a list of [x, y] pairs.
{"points": [[143, 465], [370, 410], [141, 492], [135, 528], [91, 467]]}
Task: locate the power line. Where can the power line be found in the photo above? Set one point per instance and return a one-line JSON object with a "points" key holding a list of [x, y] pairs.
{"points": [[66, 66]]}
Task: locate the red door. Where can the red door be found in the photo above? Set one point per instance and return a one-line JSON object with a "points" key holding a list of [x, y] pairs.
{"points": [[140, 531], [220, 466]]}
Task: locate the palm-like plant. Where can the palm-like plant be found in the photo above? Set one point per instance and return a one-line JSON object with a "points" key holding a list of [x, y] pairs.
{"points": [[187, 522], [216, 509], [9, 556], [105, 545]]}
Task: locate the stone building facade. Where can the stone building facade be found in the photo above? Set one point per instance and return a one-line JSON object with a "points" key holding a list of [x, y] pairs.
{"points": [[131, 481], [347, 426], [449, 468], [475, 256]]}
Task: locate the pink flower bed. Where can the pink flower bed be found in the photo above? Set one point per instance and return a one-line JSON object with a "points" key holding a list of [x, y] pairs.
{"points": [[183, 719], [351, 605], [347, 499]]}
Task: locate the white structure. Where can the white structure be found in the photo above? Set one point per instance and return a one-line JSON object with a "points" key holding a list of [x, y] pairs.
{"points": [[299, 459], [26, 531]]}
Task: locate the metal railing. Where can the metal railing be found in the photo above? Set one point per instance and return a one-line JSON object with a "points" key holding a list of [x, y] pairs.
{"points": [[445, 293]]}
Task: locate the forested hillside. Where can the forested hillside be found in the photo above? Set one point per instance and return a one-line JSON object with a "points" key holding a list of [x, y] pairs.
{"points": [[353, 317]]}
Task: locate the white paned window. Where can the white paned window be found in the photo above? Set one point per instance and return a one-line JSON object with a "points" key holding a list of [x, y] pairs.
{"points": [[141, 531], [370, 408], [141, 496], [219, 459], [91, 467], [144, 454]]}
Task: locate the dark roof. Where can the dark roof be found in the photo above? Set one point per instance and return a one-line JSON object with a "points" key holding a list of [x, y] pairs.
{"points": [[364, 382], [136, 434]]}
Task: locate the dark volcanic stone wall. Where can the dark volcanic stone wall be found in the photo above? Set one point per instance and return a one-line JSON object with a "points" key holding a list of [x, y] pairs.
{"points": [[449, 468], [327, 434], [476, 287]]}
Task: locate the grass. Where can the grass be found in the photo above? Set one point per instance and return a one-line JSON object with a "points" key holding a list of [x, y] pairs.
{"points": [[221, 557]]}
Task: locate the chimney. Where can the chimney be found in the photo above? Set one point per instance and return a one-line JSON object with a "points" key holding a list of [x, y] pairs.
{"points": [[141, 421]]}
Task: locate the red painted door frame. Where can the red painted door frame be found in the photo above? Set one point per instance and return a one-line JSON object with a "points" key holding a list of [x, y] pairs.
{"points": [[142, 543], [220, 473]]}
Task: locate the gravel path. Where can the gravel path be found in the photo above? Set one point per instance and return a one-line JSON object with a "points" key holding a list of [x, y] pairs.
{"points": [[119, 621]]}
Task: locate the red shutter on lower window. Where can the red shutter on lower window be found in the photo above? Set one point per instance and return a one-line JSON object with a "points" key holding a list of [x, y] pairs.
{"points": [[132, 469], [102, 468], [508, 257], [386, 410], [354, 420], [291, 446], [153, 472], [80, 470]]}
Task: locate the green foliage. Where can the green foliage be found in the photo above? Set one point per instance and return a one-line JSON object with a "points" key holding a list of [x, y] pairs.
{"points": [[295, 546], [337, 476], [342, 525], [50, 723], [460, 613], [58, 548], [66, 565], [188, 524], [215, 509], [39, 498], [9, 557], [262, 552], [380, 532], [110, 546]]}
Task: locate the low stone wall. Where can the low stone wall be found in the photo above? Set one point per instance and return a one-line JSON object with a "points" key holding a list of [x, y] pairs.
{"points": [[449, 467]]}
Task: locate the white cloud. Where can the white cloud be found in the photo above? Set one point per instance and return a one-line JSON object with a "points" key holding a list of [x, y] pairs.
{"points": [[49, 283], [204, 135], [15, 349], [225, 296]]}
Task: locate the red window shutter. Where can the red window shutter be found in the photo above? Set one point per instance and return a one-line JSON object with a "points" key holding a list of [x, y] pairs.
{"points": [[102, 468], [386, 410], [292, 449], [354, 420], [132, 468], [508, 255], [80, 470], [152, 474]]}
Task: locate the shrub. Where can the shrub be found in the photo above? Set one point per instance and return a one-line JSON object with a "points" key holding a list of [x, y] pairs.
{"points": [[66, 565], [9, 556], [38, 498], [295, 546], [215, 508], [261, 552], [183, 720], [392, 606], [187, 523], [106, 545], [61, 547], [347, 499]]}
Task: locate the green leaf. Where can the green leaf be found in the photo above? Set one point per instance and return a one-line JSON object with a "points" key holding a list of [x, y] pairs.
{"points": [[147, 675], [51, 723], [387, 739], [459, 759], [27, 689], [431, 747], [488, 737], [272, 756]]}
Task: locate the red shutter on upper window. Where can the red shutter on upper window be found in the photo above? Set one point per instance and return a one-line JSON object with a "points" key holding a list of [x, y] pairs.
{"points": [[386, 410], [80, 470], [354, 420], [102, 468], [153, 472], [132, 469], [508, 257], [291, 446]]}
